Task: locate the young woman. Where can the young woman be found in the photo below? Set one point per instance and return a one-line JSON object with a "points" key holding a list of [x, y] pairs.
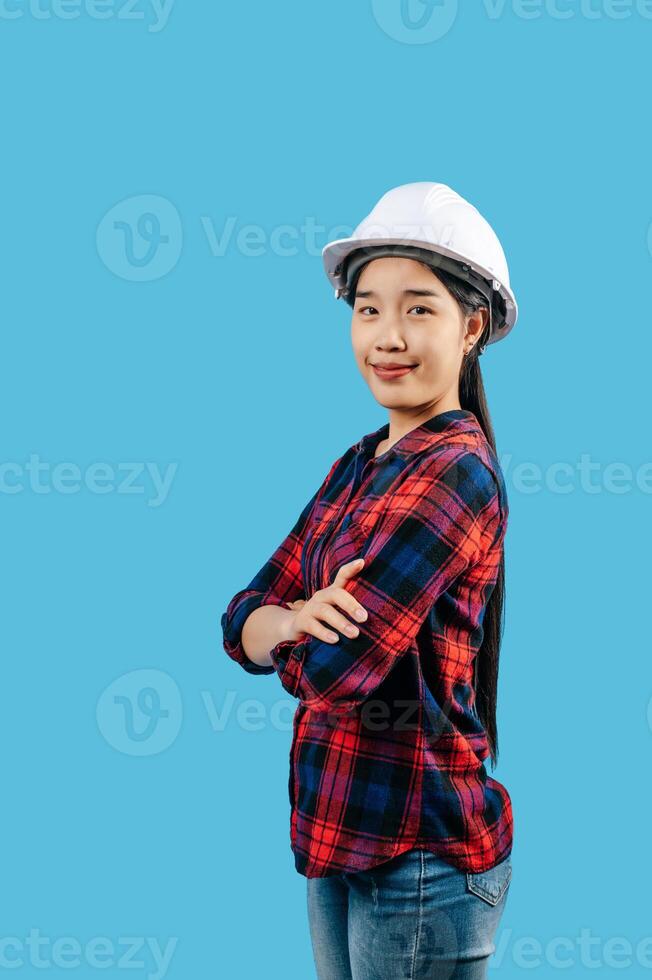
{"points": [[381, 612]]}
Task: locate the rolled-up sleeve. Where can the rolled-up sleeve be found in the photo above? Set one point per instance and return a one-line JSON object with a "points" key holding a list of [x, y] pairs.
{"points": [[278, 582], [447, 514]]}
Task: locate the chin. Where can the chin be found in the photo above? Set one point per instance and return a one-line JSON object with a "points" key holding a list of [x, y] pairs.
{"points": [[388, 402]]}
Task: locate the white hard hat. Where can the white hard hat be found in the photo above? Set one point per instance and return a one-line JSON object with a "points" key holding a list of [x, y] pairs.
{"points": [[433, 223]]}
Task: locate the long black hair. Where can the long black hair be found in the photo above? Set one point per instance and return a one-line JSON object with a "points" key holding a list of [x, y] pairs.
{"points": [[473, 398]]}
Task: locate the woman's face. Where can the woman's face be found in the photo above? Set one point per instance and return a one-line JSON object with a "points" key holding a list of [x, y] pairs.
{"points": [[404, 314]]}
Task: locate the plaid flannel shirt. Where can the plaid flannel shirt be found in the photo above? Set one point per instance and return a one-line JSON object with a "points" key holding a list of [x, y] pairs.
{"points": [[387, 748]]}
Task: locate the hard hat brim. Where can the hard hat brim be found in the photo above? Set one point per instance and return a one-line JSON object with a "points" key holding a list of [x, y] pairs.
{"points": [[335, 254]]}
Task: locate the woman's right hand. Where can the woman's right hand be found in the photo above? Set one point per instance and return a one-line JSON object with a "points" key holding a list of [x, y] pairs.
{"points": [[324, 607]]}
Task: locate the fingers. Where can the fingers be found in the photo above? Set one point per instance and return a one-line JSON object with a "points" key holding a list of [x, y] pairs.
{"points": [[347, 602], [327, 613], [348, 570], [296, 604], [324, 607], [317, 629]]}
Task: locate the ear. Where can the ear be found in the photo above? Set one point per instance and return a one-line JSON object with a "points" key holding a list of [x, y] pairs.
{"points": [[476, 323]]}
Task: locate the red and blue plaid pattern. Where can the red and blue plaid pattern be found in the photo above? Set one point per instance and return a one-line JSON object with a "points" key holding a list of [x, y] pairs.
{"points": [[387, 750]]}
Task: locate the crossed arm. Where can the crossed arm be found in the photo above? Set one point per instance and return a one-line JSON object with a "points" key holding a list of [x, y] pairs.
{"points": [[441, 520]]}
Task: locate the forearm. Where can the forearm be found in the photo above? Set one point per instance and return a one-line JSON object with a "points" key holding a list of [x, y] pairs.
{"points": [[263, 629]]}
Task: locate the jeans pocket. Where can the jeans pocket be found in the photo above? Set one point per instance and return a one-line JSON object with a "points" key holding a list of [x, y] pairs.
{"points": [[491, 885]]}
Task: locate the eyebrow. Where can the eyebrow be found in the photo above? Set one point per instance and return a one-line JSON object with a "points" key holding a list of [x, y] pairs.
{"points": [[406, 292]]}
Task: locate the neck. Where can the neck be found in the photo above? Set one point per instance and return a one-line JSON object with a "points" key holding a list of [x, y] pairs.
{"points": [[401, 421]]}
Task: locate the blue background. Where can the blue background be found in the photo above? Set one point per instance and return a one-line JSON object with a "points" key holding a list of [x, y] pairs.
{"points": [[165, 814]]}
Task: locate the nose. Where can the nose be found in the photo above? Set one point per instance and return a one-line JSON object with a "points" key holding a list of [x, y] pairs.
{"points": [[390, 336], [390, 340]]}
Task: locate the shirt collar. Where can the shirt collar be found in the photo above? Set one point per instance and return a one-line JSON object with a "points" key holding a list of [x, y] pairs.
{"points": [[426, 434]]}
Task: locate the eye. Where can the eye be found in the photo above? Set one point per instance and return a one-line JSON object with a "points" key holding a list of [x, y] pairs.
{"points": [[424, 308], [363, 308]]}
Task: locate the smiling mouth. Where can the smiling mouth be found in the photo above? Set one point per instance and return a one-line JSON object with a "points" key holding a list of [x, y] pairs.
{"points": [[393, 372]]}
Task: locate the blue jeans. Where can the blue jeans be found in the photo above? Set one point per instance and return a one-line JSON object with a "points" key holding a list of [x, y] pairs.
{"points": [[414, 917]]}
